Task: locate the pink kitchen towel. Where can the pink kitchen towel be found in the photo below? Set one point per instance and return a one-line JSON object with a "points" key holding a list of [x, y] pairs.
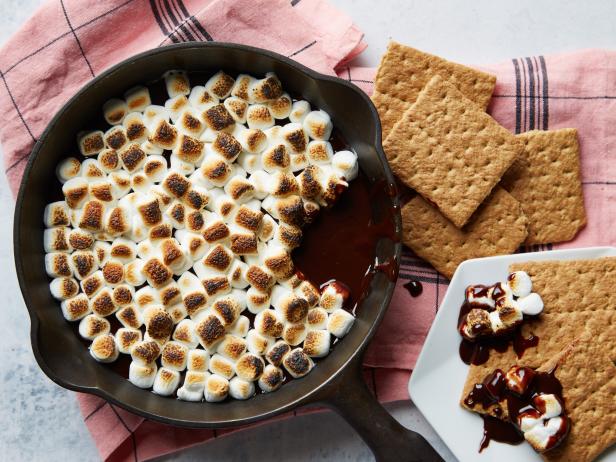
{"points": [[68, 42]]}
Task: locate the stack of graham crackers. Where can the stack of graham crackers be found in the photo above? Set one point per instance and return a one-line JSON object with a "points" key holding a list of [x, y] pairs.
{"points": [[577, 339], [481, 190]]}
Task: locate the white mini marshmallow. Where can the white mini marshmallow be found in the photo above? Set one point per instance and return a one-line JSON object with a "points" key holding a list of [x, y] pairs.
{"points": [[114, 111], [104, 348], [166, 381], [56, 239], [258, 344], [345, 163], [331, 299], [67, 169], [241, 327], [120, 183], [63, 288], [318, 125], [216, 388], [520, 283], [320, 152], [175, 106], [241, 389], [526, 422], [176, 164], [142, 375], [137, 98], [271, 379], [261, 181], [299, 111], [133, 272], [220, 85], [249, 162], [126, 338], [221, 366], [548, 403], [198, 360], [193, 387], [340, 322], [177, 83], [75, 308], [136, 130], [90, 143], [531, 304], [259, 116], [281, 107], [539, 436]]}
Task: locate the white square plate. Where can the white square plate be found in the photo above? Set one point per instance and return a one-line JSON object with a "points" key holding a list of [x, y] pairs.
{"points": [[439, 376]]}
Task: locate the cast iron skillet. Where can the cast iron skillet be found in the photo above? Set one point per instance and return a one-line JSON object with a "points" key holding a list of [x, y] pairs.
{"points": [[336, 382]]}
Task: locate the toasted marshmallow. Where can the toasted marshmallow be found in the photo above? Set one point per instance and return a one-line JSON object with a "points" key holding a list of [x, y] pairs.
{"points": [[256, 300], [239, 189], [295, 138], [156, 272], [276, 352], [267, 229], [194, 221], [333, 297], [114, 111], [80, 239], [220, 84], [271, 379], [115, 138], [202, 99], [281, 106], [309, 292], [289, 210], [520, 283], [92, 326], [241, 327], [194, 297], [176, 214], [259, 116], [226, 146], [346, 165], [102, 303], [126, 338], [120, 183], [166, 381], [241, 389], [266, 89], [339, 322], [76, 192], [243, 242], [150, 148], [137, 98], [216, 170], [113, 272], [247, 218], [142, 375], [82, 263], [188, 122], [102, 191], [548, 405], [185, 333], [297, 363], [123, 250], [56, 239], [249, 367], [189, 149], [63, 288], [261, 182], [92, 215], [145, 352], [123, 294], [320, 152], [133, 272], [317, 343], [177, 83], [258, 344], [278, 260], [134, 125], [218, 259], [108, 160], [210, 331], [531, 305], [162, 134], [192, 244], [68, 169], [93, 284], [174, 356], [268, 323], [221, 366], [198, 360], [237, 107], [542, 437], [283, 184], [316, 319], [299, 111], [260, 277], [193, 387], [177, 312], [90, 143], [57, 265], [169, 295], [104, 348], [518, 378], [218, 118], [294, 333], [132, 157], [249, 162], [74, 309], [292, 283], [290, 307], [318, 125], [152, 113], [242, 85], [231, 348], [130, 317], [102, 251], [276, 157], [158, 325], [91, 170], [216, 388], [228, 309], [252, 140], [56, 214]]}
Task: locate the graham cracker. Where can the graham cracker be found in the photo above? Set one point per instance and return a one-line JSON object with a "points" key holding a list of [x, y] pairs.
{"points": [[576, 294], [498, 227], [404, 71], [450, 151], [588, 377], [546, 180]]}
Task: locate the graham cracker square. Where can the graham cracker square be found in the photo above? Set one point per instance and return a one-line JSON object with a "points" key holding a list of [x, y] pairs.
{"points": [[404, 71], [546, 180], [498, 227], [449, 151]]}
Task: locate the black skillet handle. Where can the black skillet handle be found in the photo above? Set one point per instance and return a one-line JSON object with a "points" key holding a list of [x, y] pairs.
{"points": [[389, 441]]}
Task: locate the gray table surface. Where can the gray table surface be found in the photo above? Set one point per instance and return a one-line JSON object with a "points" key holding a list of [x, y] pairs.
{"points": [[41, 421]]}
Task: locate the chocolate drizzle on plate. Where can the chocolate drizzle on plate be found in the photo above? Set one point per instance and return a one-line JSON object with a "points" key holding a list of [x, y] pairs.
{"points": [[414, 288]]}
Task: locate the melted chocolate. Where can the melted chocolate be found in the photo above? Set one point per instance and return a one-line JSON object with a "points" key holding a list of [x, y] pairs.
{"points": [[414, 288], [493, 391]]}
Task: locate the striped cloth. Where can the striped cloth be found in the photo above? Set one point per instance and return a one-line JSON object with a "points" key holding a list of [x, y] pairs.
{"points": [[67, 42]]}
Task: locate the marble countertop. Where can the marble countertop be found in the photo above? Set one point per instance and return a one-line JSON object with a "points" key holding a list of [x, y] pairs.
{"points": [[41, 421]]}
